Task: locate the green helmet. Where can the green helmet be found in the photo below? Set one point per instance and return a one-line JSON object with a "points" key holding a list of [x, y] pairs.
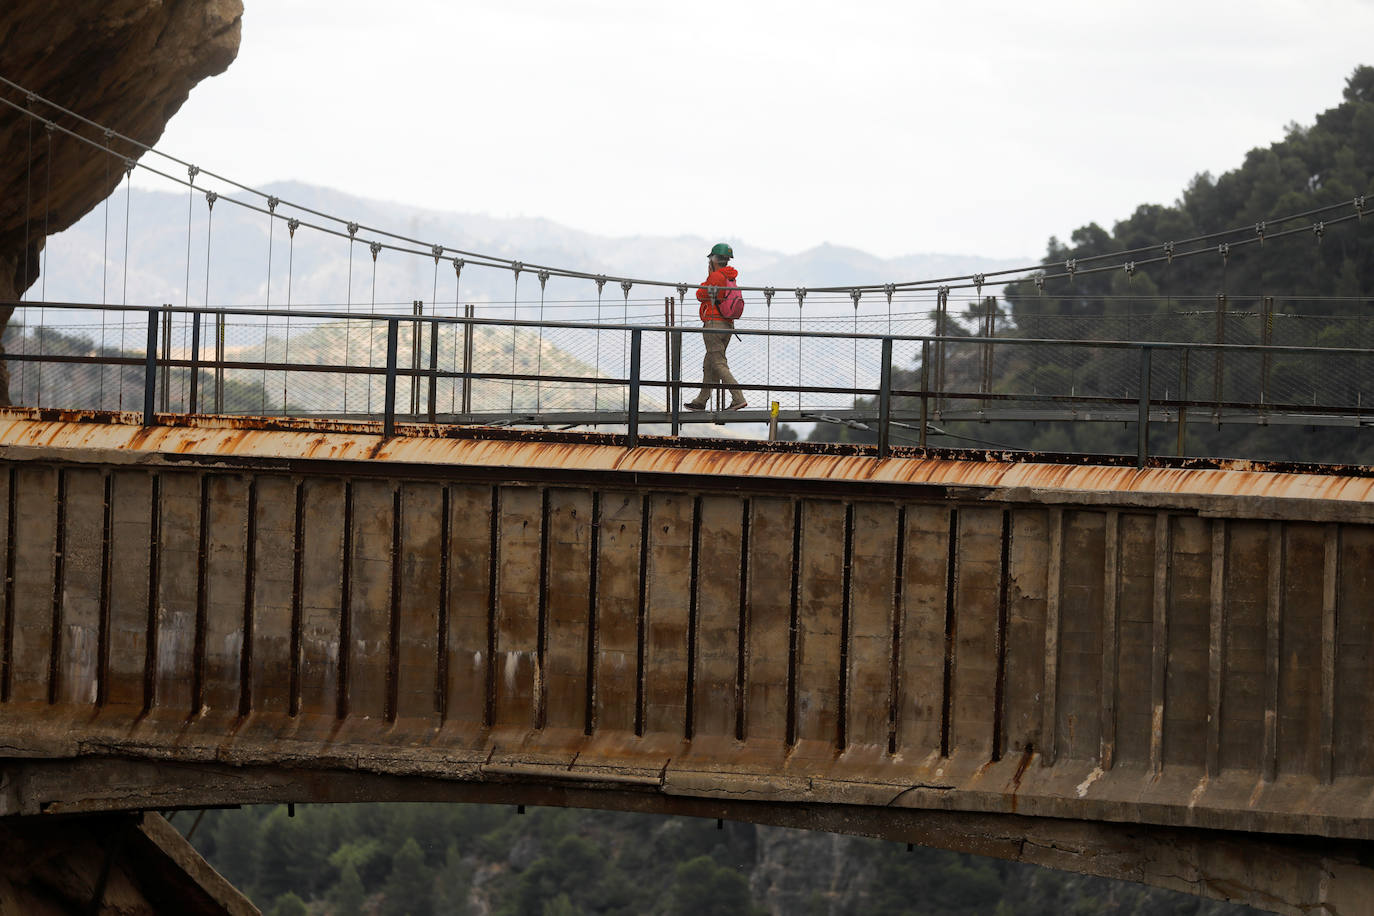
{"points": [[721, 250]]}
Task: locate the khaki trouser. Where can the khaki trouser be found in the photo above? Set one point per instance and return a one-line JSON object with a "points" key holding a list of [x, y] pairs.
{"points": [[714, 368]]}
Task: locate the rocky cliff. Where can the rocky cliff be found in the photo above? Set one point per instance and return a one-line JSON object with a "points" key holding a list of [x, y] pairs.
{"points": [[127, 64]]}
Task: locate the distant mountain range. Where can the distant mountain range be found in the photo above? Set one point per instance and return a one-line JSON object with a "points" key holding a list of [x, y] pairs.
{"points": [[159, 269]]}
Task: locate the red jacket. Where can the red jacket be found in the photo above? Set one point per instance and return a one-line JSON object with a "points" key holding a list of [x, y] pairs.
{"points": [[708, 310]]}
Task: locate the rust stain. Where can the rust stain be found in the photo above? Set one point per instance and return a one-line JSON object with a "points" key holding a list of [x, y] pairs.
{"points": [[312, 438]]}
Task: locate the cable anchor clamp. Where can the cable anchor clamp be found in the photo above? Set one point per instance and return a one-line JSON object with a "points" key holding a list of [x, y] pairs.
{"points": [[1169, 251], [1040, 284], [768, 292], [681, 291], [890, 289], [458, 267], [1319, 229], [1224, 249], [193, 171], [272, 204], [801, 295], [352, 229], [1071, 266], [855, 294], [210, 198], [516, 267], [625, 288], [376, 249], [1130, 269], [1259, 231], [1359, 207], [292, 225], [600, 283], [438, 252]]}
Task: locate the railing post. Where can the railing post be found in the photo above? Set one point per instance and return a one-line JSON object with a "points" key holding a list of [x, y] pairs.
{"points": [[150, 369], [925, 387], [433, 367], [166, 357], [467, 360], [885, 400], [418, 307], [1143, 411], [632, 431], [393, 336], [675, 389], [195, 362], [219, 362]]}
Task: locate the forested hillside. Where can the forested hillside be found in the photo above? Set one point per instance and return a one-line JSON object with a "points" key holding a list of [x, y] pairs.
{"points": [[1306, 281], [435, 860]]}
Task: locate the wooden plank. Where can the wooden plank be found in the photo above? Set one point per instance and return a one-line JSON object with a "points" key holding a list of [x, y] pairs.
{"points": [[517, 604], [131, 494], [274, 548], [35, 527], [416, 626], [924, 600], [617, 610], [226, 549], [666, 615], [716, 701], [82, 575], [568, 607], [873, 567], [471, 601], [324, 515], [767, 649], [977, 595], [178, 563]]}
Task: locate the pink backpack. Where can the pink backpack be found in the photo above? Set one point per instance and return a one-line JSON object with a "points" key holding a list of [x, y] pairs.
{"points": [[732, 306]]}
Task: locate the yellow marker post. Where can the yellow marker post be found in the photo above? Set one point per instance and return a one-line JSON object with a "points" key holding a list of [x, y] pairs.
{"points": [[772, 421]]}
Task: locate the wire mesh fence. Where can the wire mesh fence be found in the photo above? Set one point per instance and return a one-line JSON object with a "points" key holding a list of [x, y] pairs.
{"points": [[517, 371]]}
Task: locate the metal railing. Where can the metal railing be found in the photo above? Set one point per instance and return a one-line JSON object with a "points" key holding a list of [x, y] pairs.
{"points": [[899, 382]]}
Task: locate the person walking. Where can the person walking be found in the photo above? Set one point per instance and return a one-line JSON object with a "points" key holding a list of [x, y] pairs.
{"points": [[718, 298]]}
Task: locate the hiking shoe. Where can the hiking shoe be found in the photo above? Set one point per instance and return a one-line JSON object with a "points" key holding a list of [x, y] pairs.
{"points": [[693, 405], [738, 405]]}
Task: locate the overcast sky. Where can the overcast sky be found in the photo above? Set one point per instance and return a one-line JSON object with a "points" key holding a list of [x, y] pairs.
{"points": [[968, 126]]}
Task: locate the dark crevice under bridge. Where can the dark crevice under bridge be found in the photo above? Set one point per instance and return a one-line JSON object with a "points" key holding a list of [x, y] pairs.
{"points": [[1155, 673]]}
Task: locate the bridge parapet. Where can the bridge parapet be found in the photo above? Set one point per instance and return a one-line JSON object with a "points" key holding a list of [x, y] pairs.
{"points": [[1176, 646]]}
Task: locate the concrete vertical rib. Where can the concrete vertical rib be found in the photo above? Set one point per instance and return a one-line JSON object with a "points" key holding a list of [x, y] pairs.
{"points": [[325, 518], [668, 536], [270, 653], [1330, 591], [469, 597], [82, 586], [819, 621], [368, 646], [35, 529], [974, 637], [178, 573], [1053, 591], [617, 611], [768, 661], [1111, 589], [873, 561], [1216, 644], [925, 569], [225, 555], [416, 649], [716, 702], [1353, 735], [1027, 596], [517, 600], [1160, 641], [1274, 607], [567, 583], [131, 494]]}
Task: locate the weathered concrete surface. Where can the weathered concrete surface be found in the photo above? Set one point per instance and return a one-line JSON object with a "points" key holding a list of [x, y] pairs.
{"points": [[133, 865], [1163, 648], [127, 64]]}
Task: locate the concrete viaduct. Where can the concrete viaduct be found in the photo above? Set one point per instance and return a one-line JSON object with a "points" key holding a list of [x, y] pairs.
{"points": [[1160, 674]]}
